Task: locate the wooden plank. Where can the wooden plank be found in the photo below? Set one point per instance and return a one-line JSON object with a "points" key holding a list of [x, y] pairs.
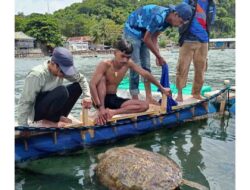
{"points": [[208, 94], [164, 103], [187, 101], [153, 110]]}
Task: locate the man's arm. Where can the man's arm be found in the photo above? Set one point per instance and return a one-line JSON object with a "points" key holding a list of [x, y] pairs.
{"points": [[155, 42], [81, 79], [96, 78], [148, 76], [99, 101], [32, 87], [152, 43]]}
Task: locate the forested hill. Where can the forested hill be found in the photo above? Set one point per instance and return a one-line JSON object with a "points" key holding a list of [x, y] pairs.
{"points": [[103, 20]]}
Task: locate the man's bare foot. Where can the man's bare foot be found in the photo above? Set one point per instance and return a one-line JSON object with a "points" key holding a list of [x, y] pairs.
{"points": [[198, 97], [110, 113], [65, 119], [152, 101], [62, 124], [179, 98], [47, 123]]}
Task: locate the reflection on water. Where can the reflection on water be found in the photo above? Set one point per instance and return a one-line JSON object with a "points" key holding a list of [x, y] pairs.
{"points": [[205, 150], [195, 147]]}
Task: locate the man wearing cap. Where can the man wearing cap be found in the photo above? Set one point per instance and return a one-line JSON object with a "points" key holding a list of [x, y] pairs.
{"points": [[142, 29], [107, 77], [193, 41], [45, 98]]}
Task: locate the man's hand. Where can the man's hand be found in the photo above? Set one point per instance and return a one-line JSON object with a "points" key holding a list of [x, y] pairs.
{"points": [[160, 61], [86, 103], [166, 91], [102, 116]]}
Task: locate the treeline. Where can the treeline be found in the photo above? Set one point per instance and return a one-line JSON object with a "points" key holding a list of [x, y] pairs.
{"points": [[103, 20]]}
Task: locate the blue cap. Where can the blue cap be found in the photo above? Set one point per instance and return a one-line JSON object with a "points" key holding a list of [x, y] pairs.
{"points": [[64, 59], [184, 10]]}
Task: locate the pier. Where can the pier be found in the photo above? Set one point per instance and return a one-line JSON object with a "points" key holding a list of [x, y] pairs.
{"points": [[222, 43]]}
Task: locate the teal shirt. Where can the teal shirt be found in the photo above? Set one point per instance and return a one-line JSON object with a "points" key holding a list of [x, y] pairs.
{"points": [[39, 79]]}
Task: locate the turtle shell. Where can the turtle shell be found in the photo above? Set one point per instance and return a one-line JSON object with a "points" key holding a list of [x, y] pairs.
{"points": [[125, 168]]}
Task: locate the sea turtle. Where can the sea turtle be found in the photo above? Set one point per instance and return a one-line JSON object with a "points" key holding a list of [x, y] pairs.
{"points": [[130, 168]]}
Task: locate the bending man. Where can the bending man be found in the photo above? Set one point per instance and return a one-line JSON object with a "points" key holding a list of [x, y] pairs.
{"points": [[142, 29]]}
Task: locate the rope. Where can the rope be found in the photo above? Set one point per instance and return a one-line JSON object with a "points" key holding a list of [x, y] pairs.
{"points": [[84, 128]]}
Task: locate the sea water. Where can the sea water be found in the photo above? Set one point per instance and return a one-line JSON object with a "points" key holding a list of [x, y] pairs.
{"points": [[205, 150]]}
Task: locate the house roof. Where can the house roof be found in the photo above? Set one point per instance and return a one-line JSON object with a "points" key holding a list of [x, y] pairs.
{"points": [[22, 36], [79, 39]]}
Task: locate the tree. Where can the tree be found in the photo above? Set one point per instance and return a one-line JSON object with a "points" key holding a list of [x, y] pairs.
{"points": [[104, 20], [44, 29], [20, 22]]}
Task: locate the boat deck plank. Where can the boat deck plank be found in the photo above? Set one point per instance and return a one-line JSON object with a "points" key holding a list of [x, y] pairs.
{"points": [[153, 110], [187, 101]]}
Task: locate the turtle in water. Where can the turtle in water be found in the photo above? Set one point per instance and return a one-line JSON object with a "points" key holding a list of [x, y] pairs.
{"points": [[130, 168]]}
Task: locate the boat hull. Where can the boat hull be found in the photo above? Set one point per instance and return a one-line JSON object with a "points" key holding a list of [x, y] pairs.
{"points": [[61, 140]]}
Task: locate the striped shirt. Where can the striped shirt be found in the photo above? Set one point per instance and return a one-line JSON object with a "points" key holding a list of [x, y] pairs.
{"points": [[198, 27]]}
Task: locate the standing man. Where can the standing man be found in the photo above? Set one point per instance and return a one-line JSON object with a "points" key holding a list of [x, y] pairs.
{"points": [[194, 38], [142, 29], [44, 98], [106, 79]]}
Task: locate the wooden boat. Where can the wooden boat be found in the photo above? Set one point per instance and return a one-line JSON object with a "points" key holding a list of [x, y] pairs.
{"points": [[40, 142]]}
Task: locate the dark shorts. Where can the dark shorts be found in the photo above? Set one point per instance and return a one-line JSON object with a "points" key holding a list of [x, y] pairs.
{"points": [[112, 101]]}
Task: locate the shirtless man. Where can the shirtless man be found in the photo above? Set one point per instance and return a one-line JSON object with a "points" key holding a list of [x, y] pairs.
{"points": [[107, 77]]}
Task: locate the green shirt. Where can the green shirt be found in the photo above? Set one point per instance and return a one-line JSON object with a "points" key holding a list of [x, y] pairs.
{"points": [[40, 79]]}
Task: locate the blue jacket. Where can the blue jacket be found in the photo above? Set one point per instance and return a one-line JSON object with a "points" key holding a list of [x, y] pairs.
{"points": [[204, 16]]}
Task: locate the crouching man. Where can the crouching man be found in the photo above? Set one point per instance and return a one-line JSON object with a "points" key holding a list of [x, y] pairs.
{"points": [[45, 99]]}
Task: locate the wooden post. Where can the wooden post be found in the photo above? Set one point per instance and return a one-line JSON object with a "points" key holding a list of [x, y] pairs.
{"points": [[224, 98], [164, 103], [84, 116]]}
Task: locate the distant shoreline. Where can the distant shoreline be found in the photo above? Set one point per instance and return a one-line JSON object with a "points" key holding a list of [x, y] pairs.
{"points": [[89, 53], [83, 53]]}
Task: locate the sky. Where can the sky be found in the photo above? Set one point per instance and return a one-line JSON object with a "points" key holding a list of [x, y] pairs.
{"points": [[41, 6]]}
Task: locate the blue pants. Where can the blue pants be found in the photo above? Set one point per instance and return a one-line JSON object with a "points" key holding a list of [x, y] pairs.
{"points": [[51, 105], [141, 57]]}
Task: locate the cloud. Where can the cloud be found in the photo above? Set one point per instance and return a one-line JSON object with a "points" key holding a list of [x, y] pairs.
{"points": [[41, 6]]}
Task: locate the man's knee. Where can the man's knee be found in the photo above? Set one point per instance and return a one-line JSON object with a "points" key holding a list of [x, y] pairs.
{"points": [[61, 92], [74, 88]]}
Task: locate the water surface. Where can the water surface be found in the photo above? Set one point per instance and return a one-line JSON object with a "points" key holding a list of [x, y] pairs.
{"points": [[205, 150]]}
